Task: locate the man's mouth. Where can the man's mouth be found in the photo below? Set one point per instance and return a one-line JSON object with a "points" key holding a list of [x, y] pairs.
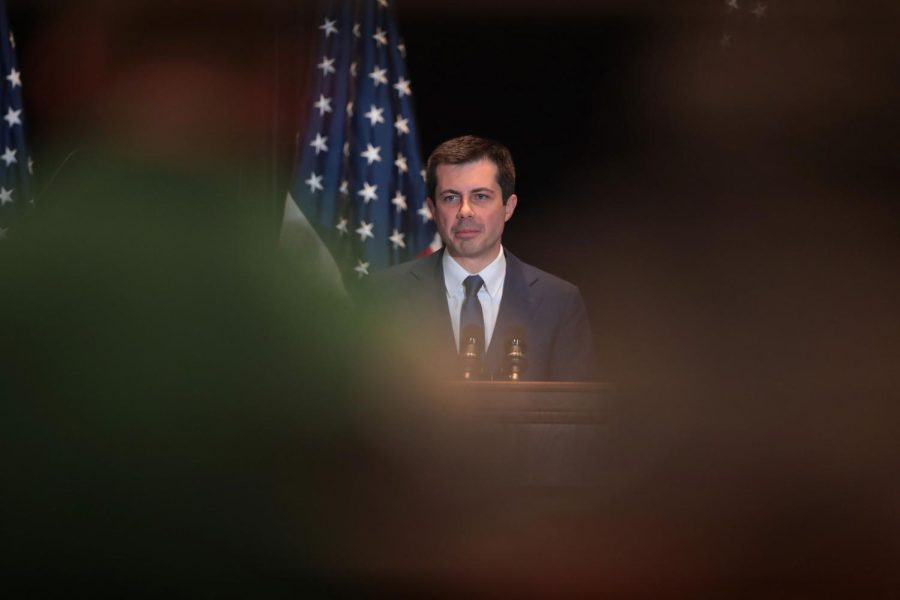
{"points": [[466, 232]]}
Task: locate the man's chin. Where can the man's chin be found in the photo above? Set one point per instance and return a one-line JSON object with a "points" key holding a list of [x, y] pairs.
{"points": [[464, 248], [468, 249]]}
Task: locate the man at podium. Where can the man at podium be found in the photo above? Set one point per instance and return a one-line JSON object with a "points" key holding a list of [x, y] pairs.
{"points": [[482, 311]]}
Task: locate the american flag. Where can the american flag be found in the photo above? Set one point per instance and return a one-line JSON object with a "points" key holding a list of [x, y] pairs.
{"points": [[359, 178], [16, 167]]}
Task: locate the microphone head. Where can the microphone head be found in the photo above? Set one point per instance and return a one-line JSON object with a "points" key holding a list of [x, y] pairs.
{"points": [[472, 333], [516, 336]]}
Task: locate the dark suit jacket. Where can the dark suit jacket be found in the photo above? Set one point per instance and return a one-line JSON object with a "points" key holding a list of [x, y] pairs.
{"points": [[544, 310]]}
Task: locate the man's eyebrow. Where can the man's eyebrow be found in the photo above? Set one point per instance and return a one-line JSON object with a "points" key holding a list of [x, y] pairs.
{"points": [[458, 193]]}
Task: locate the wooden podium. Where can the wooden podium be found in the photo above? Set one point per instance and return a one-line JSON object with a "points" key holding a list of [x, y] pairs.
{"points": [[545, 402], [539, 434]]}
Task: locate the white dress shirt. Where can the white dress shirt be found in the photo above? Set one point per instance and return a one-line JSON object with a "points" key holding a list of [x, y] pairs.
{"points": [[489, 295]]}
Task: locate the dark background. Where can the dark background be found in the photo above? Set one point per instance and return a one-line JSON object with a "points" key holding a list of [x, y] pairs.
{"points": [[728, 210], [653, 159]]}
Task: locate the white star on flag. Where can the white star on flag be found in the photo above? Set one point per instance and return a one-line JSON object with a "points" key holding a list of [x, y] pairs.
{"points": [[379, 76], [353, 185], [3, 231], [372, 153], [13, 117], [368, 192], [365, 230], [329, 27], [732, 4], [314, 182], [374, 115], [422, 173], [399, 200], [30, 167], [362, 268], [9, 156], [323, 104], [320, 143], [401, 163], [397, 239], [425, 212], [15, 78], [5, 196], [436, 243], [402, 87], [402, 125], [327, 65], [760, 10]]}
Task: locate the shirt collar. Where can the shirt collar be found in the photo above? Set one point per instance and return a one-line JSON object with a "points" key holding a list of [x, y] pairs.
{"points": [[493, 275]]}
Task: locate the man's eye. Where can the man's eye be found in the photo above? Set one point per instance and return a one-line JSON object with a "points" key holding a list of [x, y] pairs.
{"points": [[451, 198], [481, 197]]}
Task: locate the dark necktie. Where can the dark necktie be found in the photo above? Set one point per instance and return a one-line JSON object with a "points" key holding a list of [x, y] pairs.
{"points": [[471, 319]]}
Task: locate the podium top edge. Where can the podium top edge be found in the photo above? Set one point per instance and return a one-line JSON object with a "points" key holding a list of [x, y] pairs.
{"points": [[543, 386]]}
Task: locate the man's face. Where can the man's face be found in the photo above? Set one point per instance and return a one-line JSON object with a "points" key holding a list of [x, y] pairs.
{"points": [[469, 212]]}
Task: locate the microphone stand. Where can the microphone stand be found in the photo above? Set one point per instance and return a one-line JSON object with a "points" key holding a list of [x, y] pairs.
{"points": [[470, 346], [516, 362]]}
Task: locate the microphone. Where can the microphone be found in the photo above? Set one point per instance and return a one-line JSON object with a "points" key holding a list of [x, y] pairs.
{"points": [[471, 344], [515, 360]]}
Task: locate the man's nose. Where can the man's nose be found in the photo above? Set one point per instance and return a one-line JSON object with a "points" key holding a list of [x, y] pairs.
{"points": [[465, 209]]}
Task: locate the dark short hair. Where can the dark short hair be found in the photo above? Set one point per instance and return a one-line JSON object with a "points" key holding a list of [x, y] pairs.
{"points": [[472, 148]]}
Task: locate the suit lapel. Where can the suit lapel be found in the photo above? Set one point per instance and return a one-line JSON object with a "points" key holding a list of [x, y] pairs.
{"points": [[517, 309], [432, 305]]}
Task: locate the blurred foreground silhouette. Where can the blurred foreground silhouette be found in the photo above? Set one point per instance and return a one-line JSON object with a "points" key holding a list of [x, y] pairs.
{"points": [[185, 412]]}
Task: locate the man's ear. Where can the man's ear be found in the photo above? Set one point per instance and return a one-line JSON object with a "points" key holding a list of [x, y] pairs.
{"points": [[430, 204], [510, 206]]}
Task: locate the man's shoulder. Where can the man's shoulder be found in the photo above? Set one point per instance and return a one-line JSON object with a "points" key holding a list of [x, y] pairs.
{"points": [[535, 277], [406, 272]]}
